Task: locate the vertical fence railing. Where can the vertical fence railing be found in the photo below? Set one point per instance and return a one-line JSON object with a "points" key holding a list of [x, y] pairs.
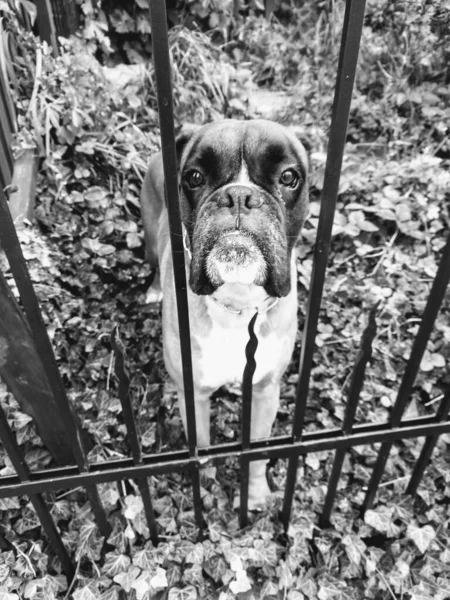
{"points": [[161, 61], [12, 249], [130, 423], [8, 440], [434, 302], [7, 128], [356, 384], [247, 385], [348, 58]]}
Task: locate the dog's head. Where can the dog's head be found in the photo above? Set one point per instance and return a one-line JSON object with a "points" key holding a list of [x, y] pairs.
{"points": [[243, 195]]}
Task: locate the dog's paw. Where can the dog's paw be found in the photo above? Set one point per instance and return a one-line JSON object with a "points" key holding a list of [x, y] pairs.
{"points": [[154, 292], [258, 496], [153, 296], [208, 472]]}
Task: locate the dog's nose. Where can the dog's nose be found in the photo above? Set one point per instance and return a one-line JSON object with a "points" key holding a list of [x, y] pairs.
{"points": [[240, 196]]}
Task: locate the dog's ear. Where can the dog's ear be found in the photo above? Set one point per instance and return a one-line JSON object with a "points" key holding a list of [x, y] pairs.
{"points": [[183, 135], [302, 137]]}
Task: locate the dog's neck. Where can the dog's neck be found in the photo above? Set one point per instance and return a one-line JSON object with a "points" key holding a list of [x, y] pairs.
{"points": [[238, 297]]}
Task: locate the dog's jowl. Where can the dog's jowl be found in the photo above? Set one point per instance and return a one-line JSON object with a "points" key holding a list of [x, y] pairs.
{"points": [[243, 196]]}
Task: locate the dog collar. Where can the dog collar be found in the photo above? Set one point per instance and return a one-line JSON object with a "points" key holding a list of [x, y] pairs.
{"points": [[240, 311]]}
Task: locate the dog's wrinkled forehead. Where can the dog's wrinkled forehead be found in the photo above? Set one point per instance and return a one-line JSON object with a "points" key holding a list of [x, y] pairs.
{"points": [[219, 150]]}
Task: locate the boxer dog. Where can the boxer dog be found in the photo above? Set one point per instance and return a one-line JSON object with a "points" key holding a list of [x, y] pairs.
{"points": [[243, 200]]}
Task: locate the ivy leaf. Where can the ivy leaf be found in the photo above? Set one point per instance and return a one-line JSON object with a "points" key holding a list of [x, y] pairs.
{"points": [[194, 575], [159, 581], [421, 536], [127, 578], [115, 563], [113, 593], [354, 548], [286, 579], [431, 360], [168, 523], [421, 592], [145, 559], [263, 554], [46, 588], [24, 567], [133, 240], [140, 525], [403, 212], [94, 246], [308, 587], [89, 542], [143, 25], [142, 584], [9, 503], [216, 567], [29, 521], [118, 539], [380, 521], [109, 494], [241, 583], [270, 588], [134, 506], [187, 593], [329, 592], [85, 593], [5, 595], [195, 556]]}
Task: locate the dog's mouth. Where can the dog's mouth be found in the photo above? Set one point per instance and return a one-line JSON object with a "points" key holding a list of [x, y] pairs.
{"points": [[235, 257]]}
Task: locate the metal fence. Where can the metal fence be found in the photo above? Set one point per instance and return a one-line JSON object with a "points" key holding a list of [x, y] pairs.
{"points": [[140, 466]]}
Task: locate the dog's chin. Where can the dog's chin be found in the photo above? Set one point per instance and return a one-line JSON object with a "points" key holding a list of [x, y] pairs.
{"points": [[236, 258]]}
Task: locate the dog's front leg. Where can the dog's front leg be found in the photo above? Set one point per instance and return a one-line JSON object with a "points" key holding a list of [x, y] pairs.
{"points": [[202, 417], [265, 402]]}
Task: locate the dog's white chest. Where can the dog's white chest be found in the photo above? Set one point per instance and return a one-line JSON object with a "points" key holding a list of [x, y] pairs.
{"points": [[222, 359]]}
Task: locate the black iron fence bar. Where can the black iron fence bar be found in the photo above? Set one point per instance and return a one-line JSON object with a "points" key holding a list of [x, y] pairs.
{"points": [[356, 384], [163, 74], [127, 411], [434, 302], [8, 110], [348, 57], [428, 447], [7, 127], [46, 24], [69, 477], [247, 387], [11, 246], [10, 444]]}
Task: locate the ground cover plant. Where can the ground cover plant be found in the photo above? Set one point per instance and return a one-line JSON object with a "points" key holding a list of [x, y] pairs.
{"points": [[85, 255]]}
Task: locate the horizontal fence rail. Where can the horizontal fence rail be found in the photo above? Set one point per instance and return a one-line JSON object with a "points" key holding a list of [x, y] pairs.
{"points": [[177, 461]]}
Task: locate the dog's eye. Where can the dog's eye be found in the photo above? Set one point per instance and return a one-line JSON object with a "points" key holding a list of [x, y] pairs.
{"points": [[194, 179], [289, 178]]}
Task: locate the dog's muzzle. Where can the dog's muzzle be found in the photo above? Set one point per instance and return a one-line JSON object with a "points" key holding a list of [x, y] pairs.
{"points": [[236, 258]]}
